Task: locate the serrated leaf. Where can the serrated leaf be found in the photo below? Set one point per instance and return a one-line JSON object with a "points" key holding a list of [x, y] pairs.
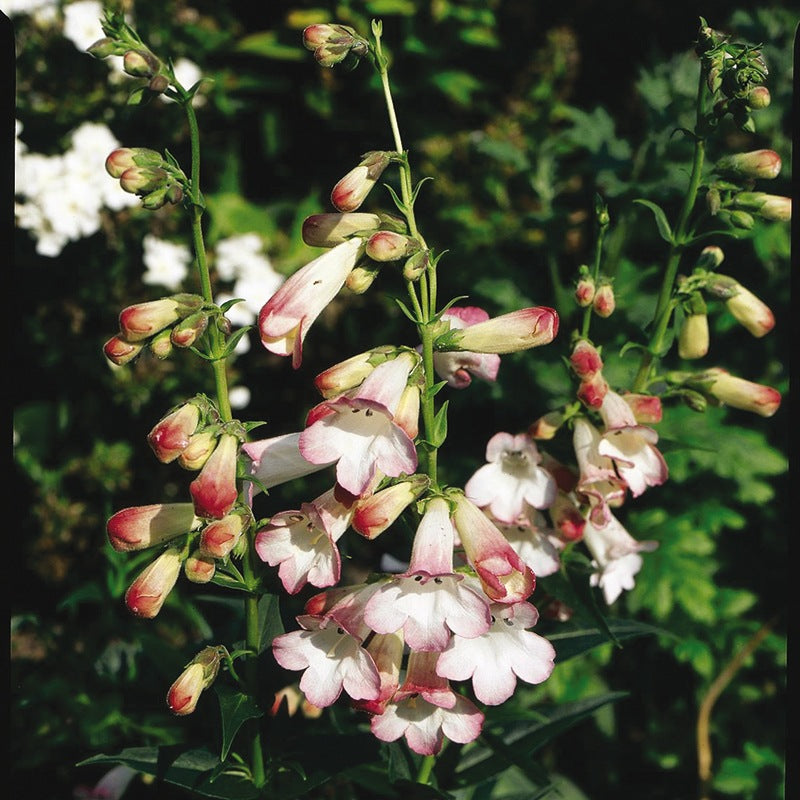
{"points": [[193, 769], [235, 709], [664, 229]]}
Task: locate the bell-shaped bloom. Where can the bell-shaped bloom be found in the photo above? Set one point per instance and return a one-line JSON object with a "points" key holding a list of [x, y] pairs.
{"points": [[332, 660], [372, 515], [220, 536], [509, 333], [140, 527], [494, 660], [360, 432], [302, 544], [738, 392], [425, 710], [504, 576], [458, 367], [599, 483], [146, 595], [143, 320], [386, 650], [534, 542], [214, 490], [511, 478], [631, 446], [278, 460], [170, 437], [284, 320], [429, 600], [615, 555], [183, 695]]}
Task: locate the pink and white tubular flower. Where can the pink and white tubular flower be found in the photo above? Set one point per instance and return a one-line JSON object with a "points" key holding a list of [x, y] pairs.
{"points": [[303, 543], [284, 320], [278, 460], [496, 659], [534, 542], [631, 446], [458, 367], [332, 659], [599, 483], [360, 431], [425, 710], [214, 490], [504, 576], [615, 556], [511, 479], [429, 600], [372, 515]]}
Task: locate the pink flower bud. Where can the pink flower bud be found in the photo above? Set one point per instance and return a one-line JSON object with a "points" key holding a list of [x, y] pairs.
{"points": [[768, 206], [170, 437], [140, 527], [390, 246], [350, 373], [584, 292], [147, 593], [547, 425], [219, 537], [416, 265], [361, 277], [199, 568], [759, 97], [710, 257], [161, 345], [214, 490], [755, 164], [140, 63], [142, 180], [604, 301], [158, 84], [201, 446], [585, 359], [646, 407], [120, 351], [374, 514], [519, 330], [123, 158], [189, 330], [351, 191], [197, 677], [739, 393], [592, 391], [567, 518], [144, 320], [328, 230], [505, 578]]}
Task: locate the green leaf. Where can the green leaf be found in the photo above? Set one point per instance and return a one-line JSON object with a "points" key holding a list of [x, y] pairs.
{"points": [[266, 45], [523, 739], [178, 765], [269, 616], [235, 709], [439, 432], [459, 86], [664, 228], [571, 643]]}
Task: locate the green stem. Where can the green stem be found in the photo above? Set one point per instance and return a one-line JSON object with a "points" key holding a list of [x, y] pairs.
{"points": [[598, 252], [219, 368], [665, 304], [425, 769]]}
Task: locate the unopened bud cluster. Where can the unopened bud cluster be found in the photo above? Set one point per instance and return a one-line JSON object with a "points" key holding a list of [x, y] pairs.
{"points": [[334, 44], [146, 174]]}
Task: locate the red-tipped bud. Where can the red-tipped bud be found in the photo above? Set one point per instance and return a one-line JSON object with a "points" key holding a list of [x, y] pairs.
{"points": [[768, 206], [170, 437], [351, 372], [604, 301], [390, 246], [199, 568], [140, 527], [328, 230], [120, 351], [197, 677], [351, 191], [585, 359], [759, 97], [140, 63], [739, 393], [124, 158], [755, 164], [646, 407], [214, 490], [143, 320], [593, 390], [374, 514], [751, 312], [187, 332], [219, 537], [197, 452], [146, 595], [584, 292], [567, 518], [710, 257], [142, 180]]}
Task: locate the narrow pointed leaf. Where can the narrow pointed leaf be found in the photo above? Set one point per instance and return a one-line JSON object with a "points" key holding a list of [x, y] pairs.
{"points": [[664, 228], [235, 708]]}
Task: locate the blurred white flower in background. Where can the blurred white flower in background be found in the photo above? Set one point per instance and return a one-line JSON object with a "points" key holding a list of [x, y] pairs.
{"points": [[82, 23], [167, 263]]}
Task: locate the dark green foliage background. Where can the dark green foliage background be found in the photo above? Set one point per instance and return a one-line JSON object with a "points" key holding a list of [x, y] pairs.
{"points": [[522, 112]]}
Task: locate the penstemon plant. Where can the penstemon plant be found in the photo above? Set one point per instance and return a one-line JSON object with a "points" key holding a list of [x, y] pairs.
{"points": [[423, 649]]}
